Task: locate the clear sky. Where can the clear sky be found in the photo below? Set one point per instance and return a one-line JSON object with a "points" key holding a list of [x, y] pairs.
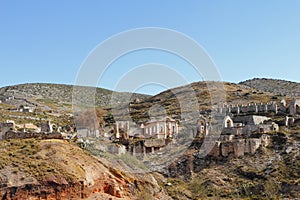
{"points": [[47, 41]]}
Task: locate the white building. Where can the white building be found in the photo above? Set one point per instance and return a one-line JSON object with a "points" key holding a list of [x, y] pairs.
{"points": [[161, 129]]}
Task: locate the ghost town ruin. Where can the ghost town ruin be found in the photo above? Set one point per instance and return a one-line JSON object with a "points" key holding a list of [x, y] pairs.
{"points": [[45, 130], [149, 137], [244, 128]]}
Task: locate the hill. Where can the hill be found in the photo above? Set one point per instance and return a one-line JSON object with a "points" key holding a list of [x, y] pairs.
{"points": [[60, 169], [172, 100], [60, 95], [57, 169], [279, 87], [56, 99]]}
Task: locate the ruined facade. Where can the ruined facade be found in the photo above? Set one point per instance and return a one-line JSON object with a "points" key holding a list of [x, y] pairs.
{"points": [[146, 146], [202, 127], [255, 108], [295, 107], [249, 108], [245, 125], [242, 134], [87, 133], [10, 130], [239, 146], [121, 129], [161, 129], [146, 137]]}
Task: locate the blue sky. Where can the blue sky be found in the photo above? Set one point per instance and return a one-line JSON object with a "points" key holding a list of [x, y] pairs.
{"points": [[47, 41]]}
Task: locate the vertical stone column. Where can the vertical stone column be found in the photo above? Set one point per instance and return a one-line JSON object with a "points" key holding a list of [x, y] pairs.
{"points": [[266, 107], [117, 131], [133, 150], [220, 110], [238, 110], [144, 150]]}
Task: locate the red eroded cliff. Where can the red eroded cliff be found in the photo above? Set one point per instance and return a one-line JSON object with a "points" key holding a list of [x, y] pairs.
{"points": [[56, 169]]}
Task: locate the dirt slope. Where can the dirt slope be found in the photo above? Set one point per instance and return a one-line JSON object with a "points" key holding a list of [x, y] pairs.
{"points": [[56, 169]]}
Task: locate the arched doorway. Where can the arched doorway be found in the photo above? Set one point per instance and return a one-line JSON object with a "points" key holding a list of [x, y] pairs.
{"points": [[227, 122]]}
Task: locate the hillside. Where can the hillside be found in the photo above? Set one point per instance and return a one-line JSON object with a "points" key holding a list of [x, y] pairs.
{"points": [[272, 173], [279, 87], [87, 169], [60, 95], [172, 100], [57, 169], [54, 100]]}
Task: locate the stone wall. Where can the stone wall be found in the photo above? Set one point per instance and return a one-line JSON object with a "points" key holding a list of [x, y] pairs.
{"points": [[293, 107], [251, 119], [154, 142], [21, 135], [276, 107], [239, 147], [251, 108]]}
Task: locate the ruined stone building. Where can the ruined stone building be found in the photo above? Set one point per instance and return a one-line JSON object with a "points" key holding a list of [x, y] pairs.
{"points": [[242, 134], [161, 129], [25, 109], [5, 127], [248, 124], [122, 129], [202, 127], [275, 107], [156, 128], [147, 137], [239, 135], [295, 107], [249, 108], [87, 133], [28, 127]]}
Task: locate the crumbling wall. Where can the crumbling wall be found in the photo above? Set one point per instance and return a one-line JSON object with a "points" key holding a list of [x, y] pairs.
{"points": [[293, 106], [21, 135], [239, 147], [154, 142]]}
